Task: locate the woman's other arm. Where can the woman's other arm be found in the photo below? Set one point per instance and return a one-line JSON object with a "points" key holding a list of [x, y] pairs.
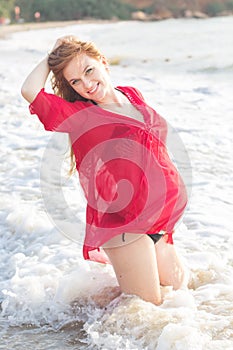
{"points": [[35, 81]]}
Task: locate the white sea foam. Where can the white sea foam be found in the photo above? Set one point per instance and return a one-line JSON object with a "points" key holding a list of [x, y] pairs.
{"points": [[184, 69]]}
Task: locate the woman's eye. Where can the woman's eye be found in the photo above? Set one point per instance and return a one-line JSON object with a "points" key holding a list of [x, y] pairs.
{"points": [[75, 82], [89, 70]]}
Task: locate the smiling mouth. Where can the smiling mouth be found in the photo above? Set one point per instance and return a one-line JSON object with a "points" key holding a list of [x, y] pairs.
{"points": [[92, 91]]}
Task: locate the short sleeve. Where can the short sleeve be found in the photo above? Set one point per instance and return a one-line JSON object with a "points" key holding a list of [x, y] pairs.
{"points": [[53, 111]]}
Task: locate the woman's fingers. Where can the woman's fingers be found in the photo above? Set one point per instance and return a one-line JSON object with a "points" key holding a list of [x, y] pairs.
{"points": [[61, 40]]}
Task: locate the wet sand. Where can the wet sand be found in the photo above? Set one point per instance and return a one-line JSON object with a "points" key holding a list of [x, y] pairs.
{"points": [[7, 30]]}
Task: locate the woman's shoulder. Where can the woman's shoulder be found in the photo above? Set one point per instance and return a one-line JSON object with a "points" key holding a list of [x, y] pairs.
{"points": [[131, 91]]}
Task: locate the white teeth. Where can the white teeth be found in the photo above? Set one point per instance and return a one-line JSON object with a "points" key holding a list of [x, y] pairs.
{"points": [[93, 90]]}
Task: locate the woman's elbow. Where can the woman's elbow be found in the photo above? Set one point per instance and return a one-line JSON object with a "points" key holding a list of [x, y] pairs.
{"points": [[27, 93]]}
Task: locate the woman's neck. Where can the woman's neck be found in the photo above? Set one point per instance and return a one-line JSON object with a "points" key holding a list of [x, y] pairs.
{"points": [[115, 98], [120, 104]]}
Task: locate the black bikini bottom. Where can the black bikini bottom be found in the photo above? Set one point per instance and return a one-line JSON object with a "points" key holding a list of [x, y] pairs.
{"points": [[155, 237]]}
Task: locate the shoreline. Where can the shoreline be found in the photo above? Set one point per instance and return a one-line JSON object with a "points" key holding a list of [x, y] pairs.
{"points": [[7, 29]]}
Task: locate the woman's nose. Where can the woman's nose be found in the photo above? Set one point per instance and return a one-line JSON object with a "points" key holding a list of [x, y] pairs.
{"points": [[86, 83]]}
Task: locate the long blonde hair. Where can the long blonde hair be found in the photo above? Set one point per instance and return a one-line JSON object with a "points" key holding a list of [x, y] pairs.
{"points": [[58, 59]]}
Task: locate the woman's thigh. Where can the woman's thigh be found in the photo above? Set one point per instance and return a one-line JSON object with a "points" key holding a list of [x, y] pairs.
{"points": [[170, 267], [135, 265]]}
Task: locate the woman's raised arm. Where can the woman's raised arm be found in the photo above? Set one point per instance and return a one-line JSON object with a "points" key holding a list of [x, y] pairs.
{"points": [[35, 81], [37, 78]]}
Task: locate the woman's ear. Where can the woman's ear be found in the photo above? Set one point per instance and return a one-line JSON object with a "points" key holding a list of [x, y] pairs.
{"points": [[105, 62]]}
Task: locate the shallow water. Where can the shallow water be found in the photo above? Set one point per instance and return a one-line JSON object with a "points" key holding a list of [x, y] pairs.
{"points": [[52, 298]]}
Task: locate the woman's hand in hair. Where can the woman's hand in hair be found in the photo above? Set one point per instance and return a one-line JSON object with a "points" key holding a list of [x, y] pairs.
{"points": [[63, 39]]}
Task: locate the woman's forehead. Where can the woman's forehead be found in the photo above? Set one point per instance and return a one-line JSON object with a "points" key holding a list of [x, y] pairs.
{"points": [[78, 64]]}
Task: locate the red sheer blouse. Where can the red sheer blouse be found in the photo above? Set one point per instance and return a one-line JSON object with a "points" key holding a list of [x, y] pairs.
{"points": [[128, 178]]}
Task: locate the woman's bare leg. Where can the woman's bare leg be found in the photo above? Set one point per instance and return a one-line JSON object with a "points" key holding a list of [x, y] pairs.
{"points": [[135, 265], [170, 268]]}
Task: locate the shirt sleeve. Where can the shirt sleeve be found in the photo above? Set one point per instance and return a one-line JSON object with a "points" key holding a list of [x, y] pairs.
{"points": [[133, 92], [53, 111], [138, 93]]}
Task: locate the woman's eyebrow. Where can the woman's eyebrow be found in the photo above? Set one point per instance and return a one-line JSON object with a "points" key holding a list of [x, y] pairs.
{"points": [[79, 78]]}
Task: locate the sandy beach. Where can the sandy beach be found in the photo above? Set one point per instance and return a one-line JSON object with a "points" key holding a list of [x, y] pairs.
{"points": [[7, 30]]}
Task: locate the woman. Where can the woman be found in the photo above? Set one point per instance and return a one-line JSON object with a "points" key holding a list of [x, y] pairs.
{"points": [[134, 193]]}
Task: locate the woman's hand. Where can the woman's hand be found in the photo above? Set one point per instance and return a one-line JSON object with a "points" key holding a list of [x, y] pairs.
{"points": [[61, 40]]}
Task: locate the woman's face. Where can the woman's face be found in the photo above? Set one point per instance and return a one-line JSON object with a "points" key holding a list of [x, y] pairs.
{"points": [[89, 77]]}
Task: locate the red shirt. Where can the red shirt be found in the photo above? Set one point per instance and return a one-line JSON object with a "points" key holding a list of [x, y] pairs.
{"points": [[128, 178]]}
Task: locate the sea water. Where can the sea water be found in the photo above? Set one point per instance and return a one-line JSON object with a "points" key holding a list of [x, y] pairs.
{"points": [[50, 297]]}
